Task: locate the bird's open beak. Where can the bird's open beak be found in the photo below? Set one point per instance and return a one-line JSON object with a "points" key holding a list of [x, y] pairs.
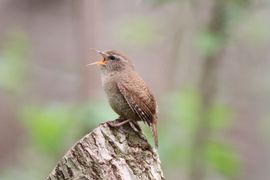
{"points": [[102, 61], [98, 62]]}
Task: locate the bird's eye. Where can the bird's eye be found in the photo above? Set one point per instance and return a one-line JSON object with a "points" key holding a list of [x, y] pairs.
{"points": [[112, 57]]}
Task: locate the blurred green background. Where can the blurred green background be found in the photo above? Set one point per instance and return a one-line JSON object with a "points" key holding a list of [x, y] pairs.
{"points": [[207, 62]]}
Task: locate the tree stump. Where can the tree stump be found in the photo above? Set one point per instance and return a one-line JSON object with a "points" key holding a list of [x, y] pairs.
{"points": [[111, 154]]}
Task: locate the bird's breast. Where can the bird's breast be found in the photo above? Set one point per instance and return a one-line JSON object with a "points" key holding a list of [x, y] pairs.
{"points": [[115, 98]]}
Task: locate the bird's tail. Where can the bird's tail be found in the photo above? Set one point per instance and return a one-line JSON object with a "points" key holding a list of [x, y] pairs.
{"points": [[154, 132]]}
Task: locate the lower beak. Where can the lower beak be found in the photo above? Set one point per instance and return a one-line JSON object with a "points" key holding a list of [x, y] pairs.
{"points": [[97, 63]]}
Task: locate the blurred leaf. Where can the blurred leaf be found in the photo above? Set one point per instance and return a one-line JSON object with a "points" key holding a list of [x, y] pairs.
{"points": [[175, 154], [22, 174], [219, 116], [48, 125], [95, 112], [174, 148], [175, 135], [185, 108], [12, 64], [209, 42], [137, 32], [91, 114], [223, 159]]}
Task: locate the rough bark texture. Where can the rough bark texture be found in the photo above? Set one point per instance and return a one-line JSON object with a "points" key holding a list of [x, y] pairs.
{"points": [[110, 153]]}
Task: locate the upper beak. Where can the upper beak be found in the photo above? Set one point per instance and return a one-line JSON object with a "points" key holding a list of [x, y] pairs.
{"points": [[102, 53], [102, 61]]}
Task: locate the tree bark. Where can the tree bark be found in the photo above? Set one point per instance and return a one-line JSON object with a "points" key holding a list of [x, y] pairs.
{"points": [[111, 154]]}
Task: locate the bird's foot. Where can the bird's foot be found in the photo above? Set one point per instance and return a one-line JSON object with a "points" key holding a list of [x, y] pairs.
{"points": [[114, 124]]}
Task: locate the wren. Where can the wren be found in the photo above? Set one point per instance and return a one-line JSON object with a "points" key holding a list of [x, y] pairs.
{"points": [[127, 92]]}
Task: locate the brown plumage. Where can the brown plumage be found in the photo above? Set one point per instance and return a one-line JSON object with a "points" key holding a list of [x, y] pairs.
{"points": [[127, 93]]}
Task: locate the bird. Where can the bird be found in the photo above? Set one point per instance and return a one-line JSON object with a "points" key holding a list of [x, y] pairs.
{"points": [[127, 92]]}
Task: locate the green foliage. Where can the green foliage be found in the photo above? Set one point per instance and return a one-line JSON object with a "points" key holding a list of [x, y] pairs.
{"points": [[173, 148], [22, 174], [209, 42], [177, 135], [239, 2], [90, 115], [223, 159], [136, 32], [48, 126], [219, 116], [12, 62], [185, 108], [182, 115], [51, 126], [52, 129], [94, 113]]}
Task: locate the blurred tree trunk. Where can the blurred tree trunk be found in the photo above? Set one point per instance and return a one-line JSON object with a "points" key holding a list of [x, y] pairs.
{"points": [[208, 90], [88, 31], [110, 153]]}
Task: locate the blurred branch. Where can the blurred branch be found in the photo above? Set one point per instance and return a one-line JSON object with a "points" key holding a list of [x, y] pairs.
{"points": [[208, 89], [110, 153], [88, 13], [175, 57]]}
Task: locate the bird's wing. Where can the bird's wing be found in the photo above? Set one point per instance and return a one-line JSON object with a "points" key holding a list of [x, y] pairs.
{"points": [[139, 99], [142, 102]]}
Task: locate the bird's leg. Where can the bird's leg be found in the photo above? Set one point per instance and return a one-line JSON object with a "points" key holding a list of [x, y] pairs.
{"points": [[119, 124]]}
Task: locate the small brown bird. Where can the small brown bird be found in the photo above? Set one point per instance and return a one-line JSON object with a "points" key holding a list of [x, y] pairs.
{"points": [[127, 93]]}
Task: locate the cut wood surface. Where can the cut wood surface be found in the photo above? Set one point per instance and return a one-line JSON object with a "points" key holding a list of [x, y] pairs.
{"points": [[111, 154]]}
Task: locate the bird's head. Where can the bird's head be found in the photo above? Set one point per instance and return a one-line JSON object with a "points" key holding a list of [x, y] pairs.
{"points": [[112, 61]]}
